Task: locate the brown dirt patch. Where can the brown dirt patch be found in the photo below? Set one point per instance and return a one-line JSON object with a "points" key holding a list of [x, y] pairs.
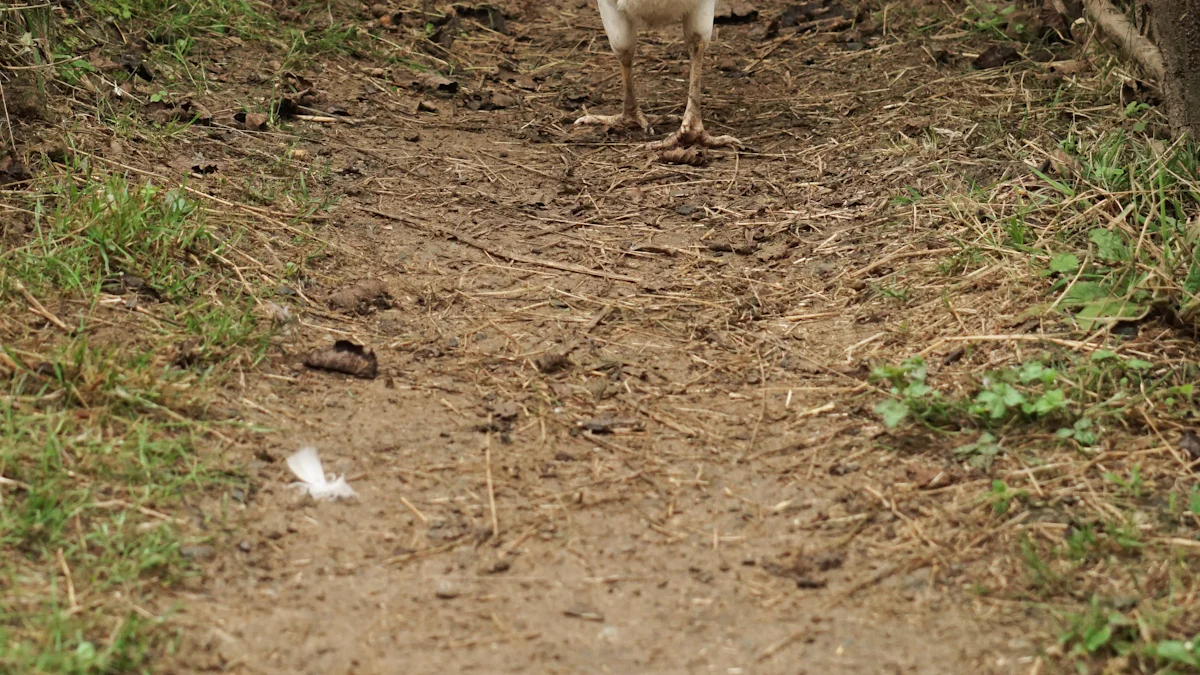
{"points": [[714, 325]]}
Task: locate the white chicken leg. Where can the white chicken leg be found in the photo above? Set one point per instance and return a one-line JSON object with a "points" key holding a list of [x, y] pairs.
{"points": [[697, 32], [622, 37], [622, 19]]}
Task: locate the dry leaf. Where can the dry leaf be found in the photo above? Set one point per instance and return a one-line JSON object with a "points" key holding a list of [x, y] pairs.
{"points": [[362, 298], [196, 166], [432, 82], [996, 56], [734, 12], [1062, 164], [345, 357], [1066, 68], [1190, 442], [688, 156], [251, 121], [487, 16], [165, 112]]}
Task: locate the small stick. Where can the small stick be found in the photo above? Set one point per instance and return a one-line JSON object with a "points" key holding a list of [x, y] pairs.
{"points": [[62, 562], [405, 557], [1073, 344], [17, 483], [513, 257], [415, 510], [792, 637], [37, 307], [508, 548], [1116, 26], [807, 317], [487, 454], [815, 411], [12, 141], [318, 118], [874, 579], [897, 256]]}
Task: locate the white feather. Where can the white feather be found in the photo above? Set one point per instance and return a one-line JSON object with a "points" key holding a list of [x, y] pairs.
{"points": [[307, 466]]}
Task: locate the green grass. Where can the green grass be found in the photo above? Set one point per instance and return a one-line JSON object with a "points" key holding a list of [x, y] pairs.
{"points": [[99, 441], [100, 428], [105, 426], [177, 37], [1095, 235]]}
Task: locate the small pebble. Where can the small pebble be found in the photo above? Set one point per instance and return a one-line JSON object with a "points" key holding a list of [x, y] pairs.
{"points": [[198, 552], [446, 591], [498, 567]]}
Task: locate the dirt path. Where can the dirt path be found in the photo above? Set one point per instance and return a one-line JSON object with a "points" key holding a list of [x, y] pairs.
{"points": [[700, 486]]}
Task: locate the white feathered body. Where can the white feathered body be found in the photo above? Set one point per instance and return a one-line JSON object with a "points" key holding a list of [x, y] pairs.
{"points": [[624, 18], [656, 13]]}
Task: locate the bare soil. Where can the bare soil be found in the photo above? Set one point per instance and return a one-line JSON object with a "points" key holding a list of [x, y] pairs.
{"points": [[664, 463], [620, 418]]}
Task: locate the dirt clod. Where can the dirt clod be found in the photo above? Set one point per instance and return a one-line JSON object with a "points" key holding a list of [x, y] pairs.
{"points": [[362, 298], [1190, 442], [13, 171], [553, 363], [996, 56]]}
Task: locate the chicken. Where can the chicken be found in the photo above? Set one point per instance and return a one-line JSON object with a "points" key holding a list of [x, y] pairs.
{"points": [[622, 21]]}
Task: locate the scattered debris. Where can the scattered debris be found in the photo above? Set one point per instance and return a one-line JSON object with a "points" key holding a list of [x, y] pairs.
{"points": [[446, 591], [498, 567], [198, 552], [442, 37], [164, 112], [432, 82], [928, 478], [486, 15], [290, 105], [187, 353], [196, 166], [826, 15], [734, 12], [803, 569], [489, 100]]}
